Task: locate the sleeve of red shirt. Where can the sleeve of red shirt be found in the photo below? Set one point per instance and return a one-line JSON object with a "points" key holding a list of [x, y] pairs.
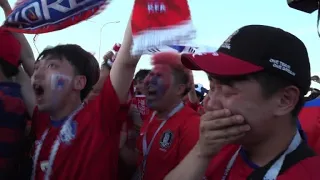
{"points": [[189, 134], [310, 122]]}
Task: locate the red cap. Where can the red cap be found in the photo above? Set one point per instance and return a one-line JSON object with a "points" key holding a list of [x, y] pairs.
{"points": [[255, 48], [9, 47], [219, 64]]}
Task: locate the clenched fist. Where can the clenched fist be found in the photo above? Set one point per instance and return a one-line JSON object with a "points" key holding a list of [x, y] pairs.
{"points": [[108, 56], [218, 128]]}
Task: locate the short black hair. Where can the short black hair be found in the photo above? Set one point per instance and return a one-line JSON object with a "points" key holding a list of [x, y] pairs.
{"points": [[141, 74], [8, 69], [83, 62], [270, 84]]}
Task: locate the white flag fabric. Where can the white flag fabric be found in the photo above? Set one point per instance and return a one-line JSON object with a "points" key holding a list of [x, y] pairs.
{"points": [[181, 49]]}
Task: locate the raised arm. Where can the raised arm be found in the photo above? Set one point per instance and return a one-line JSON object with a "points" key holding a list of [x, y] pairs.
{"points": [[26, 89], [28, 62], [123, 68], [27, 56], [104, 73]]}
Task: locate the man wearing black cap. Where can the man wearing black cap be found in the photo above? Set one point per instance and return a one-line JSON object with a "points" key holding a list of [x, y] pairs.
{"points": [[258, 78]]}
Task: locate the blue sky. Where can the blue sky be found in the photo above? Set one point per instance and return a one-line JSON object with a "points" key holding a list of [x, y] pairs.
{"points": [[215, 21]]}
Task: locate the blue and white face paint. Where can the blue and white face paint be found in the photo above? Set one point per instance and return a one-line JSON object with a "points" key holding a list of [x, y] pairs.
{"points": [[157, 83], [59, 83]]}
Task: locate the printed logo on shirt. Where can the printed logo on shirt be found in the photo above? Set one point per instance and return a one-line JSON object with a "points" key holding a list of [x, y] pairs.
{"points": [[68, 133], [44, 165], [166, 140]]}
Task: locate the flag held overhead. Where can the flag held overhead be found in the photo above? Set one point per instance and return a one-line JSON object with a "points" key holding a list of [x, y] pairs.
{"points": [[156, 23], [43, 16], [172, 48]]}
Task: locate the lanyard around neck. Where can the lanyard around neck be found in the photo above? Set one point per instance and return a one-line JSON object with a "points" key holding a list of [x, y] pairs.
{"points": [[145, 146], [274, 170], [64, 135]]}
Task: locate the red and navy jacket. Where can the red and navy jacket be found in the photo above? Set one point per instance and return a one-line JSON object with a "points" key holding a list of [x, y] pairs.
{"points": [[12, 130]]}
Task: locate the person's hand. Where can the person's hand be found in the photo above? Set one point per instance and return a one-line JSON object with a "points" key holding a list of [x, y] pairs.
{"points": [[201, 111], [108, 56], [205, 102], [218, 128]]}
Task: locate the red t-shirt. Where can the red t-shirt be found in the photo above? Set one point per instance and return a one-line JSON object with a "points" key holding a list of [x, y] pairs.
{"points": [[309, 118], [306, 169], [93, 153], [172, 143], [195, 106]]}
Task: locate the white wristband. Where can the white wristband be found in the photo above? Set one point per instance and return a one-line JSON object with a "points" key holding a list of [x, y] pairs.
{"points": [[109, 62]]}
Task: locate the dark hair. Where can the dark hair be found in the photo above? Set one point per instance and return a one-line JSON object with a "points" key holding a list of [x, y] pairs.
{"points": [[181, 77], [84, 63], [270, 84], [8, 69], [141, 74]]}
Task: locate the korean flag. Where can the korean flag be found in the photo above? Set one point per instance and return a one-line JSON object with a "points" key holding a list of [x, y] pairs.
{"points": [[181, 49]]}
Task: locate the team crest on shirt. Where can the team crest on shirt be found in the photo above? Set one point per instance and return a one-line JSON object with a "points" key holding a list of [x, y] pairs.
{"points": [[68, 132], [166, 140], [44, 165]]}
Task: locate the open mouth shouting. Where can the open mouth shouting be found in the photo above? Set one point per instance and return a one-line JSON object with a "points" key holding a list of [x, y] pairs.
{"points": [[152, 93], [39, 92]]}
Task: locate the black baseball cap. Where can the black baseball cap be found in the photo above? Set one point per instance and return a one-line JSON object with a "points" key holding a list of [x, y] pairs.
{"points": [[256, 48]]}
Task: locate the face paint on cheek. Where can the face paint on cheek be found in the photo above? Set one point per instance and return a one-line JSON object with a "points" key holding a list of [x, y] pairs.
{"points": [[162, 87], [59, 81], [164, 78]]}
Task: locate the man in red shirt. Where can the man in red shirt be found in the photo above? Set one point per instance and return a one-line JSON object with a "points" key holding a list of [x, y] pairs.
{"points": [[171, 130], [77, 140], [13, 111], [309, 119], [139, 108], [258, 78], [310, 115], [139, 81], [195, 98], [192, 99]]}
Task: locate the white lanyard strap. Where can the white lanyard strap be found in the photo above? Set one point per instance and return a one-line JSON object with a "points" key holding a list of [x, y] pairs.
{"points": [[275, 169], [64, 135], [146, 148]]}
